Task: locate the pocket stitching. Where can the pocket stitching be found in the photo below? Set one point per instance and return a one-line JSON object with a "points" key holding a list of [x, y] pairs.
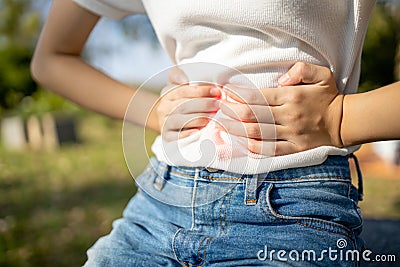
{"points": [[264, 200], [302, 220], [347, 233]]}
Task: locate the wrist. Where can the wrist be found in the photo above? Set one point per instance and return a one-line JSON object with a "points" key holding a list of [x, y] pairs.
{"points": [[335, 120], [153, 120], [358, 114], [346, 127]]}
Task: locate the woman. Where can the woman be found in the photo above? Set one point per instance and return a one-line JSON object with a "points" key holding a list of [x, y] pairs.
{"points": [[283, 210]]}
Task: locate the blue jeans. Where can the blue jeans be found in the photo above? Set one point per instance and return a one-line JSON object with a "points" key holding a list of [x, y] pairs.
{"points": [[198, 217]]}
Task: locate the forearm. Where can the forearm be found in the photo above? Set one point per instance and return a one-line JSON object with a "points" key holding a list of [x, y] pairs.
{"points": [[371, 116], [58, 66], [72, 78]]}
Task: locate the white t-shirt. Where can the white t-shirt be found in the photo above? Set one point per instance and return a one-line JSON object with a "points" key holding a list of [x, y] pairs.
{"points": [[260, 38]]}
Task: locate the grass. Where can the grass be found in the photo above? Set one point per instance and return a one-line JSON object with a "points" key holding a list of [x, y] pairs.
{"points": [[55, 205], [381, 198]]}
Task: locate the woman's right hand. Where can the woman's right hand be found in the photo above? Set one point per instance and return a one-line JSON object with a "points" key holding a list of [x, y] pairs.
{"points": [[184, 109]]}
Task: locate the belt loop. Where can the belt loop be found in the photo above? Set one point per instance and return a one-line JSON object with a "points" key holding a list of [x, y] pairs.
{"points": [[250, 198], [161, 173], [359, 176]]}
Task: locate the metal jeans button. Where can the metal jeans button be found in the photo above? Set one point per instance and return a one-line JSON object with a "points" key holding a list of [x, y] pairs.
{"points": [[211, 169]]}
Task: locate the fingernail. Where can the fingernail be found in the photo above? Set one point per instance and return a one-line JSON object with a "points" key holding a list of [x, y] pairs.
{"points": [[284, 79], [214, 91]]}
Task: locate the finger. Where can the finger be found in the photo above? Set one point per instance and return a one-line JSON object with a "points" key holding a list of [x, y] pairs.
{"points": [[248, 113], [173, 92], [270, 148], [262, 147], [186, 121], [285, 148], [176, 135], [177, 76], [187, 132], [304, 73], [195, 105], [168, 90], [265, 96], [259, 131]]}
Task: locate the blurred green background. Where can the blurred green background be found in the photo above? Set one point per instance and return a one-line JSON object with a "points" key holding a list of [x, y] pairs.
{"points": [[55, 204]]}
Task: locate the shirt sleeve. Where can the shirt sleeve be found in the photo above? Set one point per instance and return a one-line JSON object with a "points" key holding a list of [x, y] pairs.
{"points": [[115, 9]]}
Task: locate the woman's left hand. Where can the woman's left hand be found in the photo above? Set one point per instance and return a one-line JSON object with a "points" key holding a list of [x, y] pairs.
{"points": [[303, 113]]}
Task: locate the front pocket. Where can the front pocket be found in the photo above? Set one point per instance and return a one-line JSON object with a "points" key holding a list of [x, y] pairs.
{"points": [[323, 204]]}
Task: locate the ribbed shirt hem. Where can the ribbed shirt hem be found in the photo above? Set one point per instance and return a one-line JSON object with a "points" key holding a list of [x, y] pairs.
{"points": [[249, 164]]}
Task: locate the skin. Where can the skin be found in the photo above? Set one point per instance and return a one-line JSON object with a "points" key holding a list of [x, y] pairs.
{"points": [[307, 111], [313, 113], [58, 66], [182, 109], [57, 59], [304, 112]]}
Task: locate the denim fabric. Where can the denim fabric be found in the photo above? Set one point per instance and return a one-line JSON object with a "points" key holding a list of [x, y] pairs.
{"points": [[200, 217]]}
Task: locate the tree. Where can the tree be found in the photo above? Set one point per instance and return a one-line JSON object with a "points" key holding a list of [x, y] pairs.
{"points": [[19, 28], [378, 62]]}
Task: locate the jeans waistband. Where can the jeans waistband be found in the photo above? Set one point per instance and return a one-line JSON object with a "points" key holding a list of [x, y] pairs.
{"points": [[335, 167]]}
